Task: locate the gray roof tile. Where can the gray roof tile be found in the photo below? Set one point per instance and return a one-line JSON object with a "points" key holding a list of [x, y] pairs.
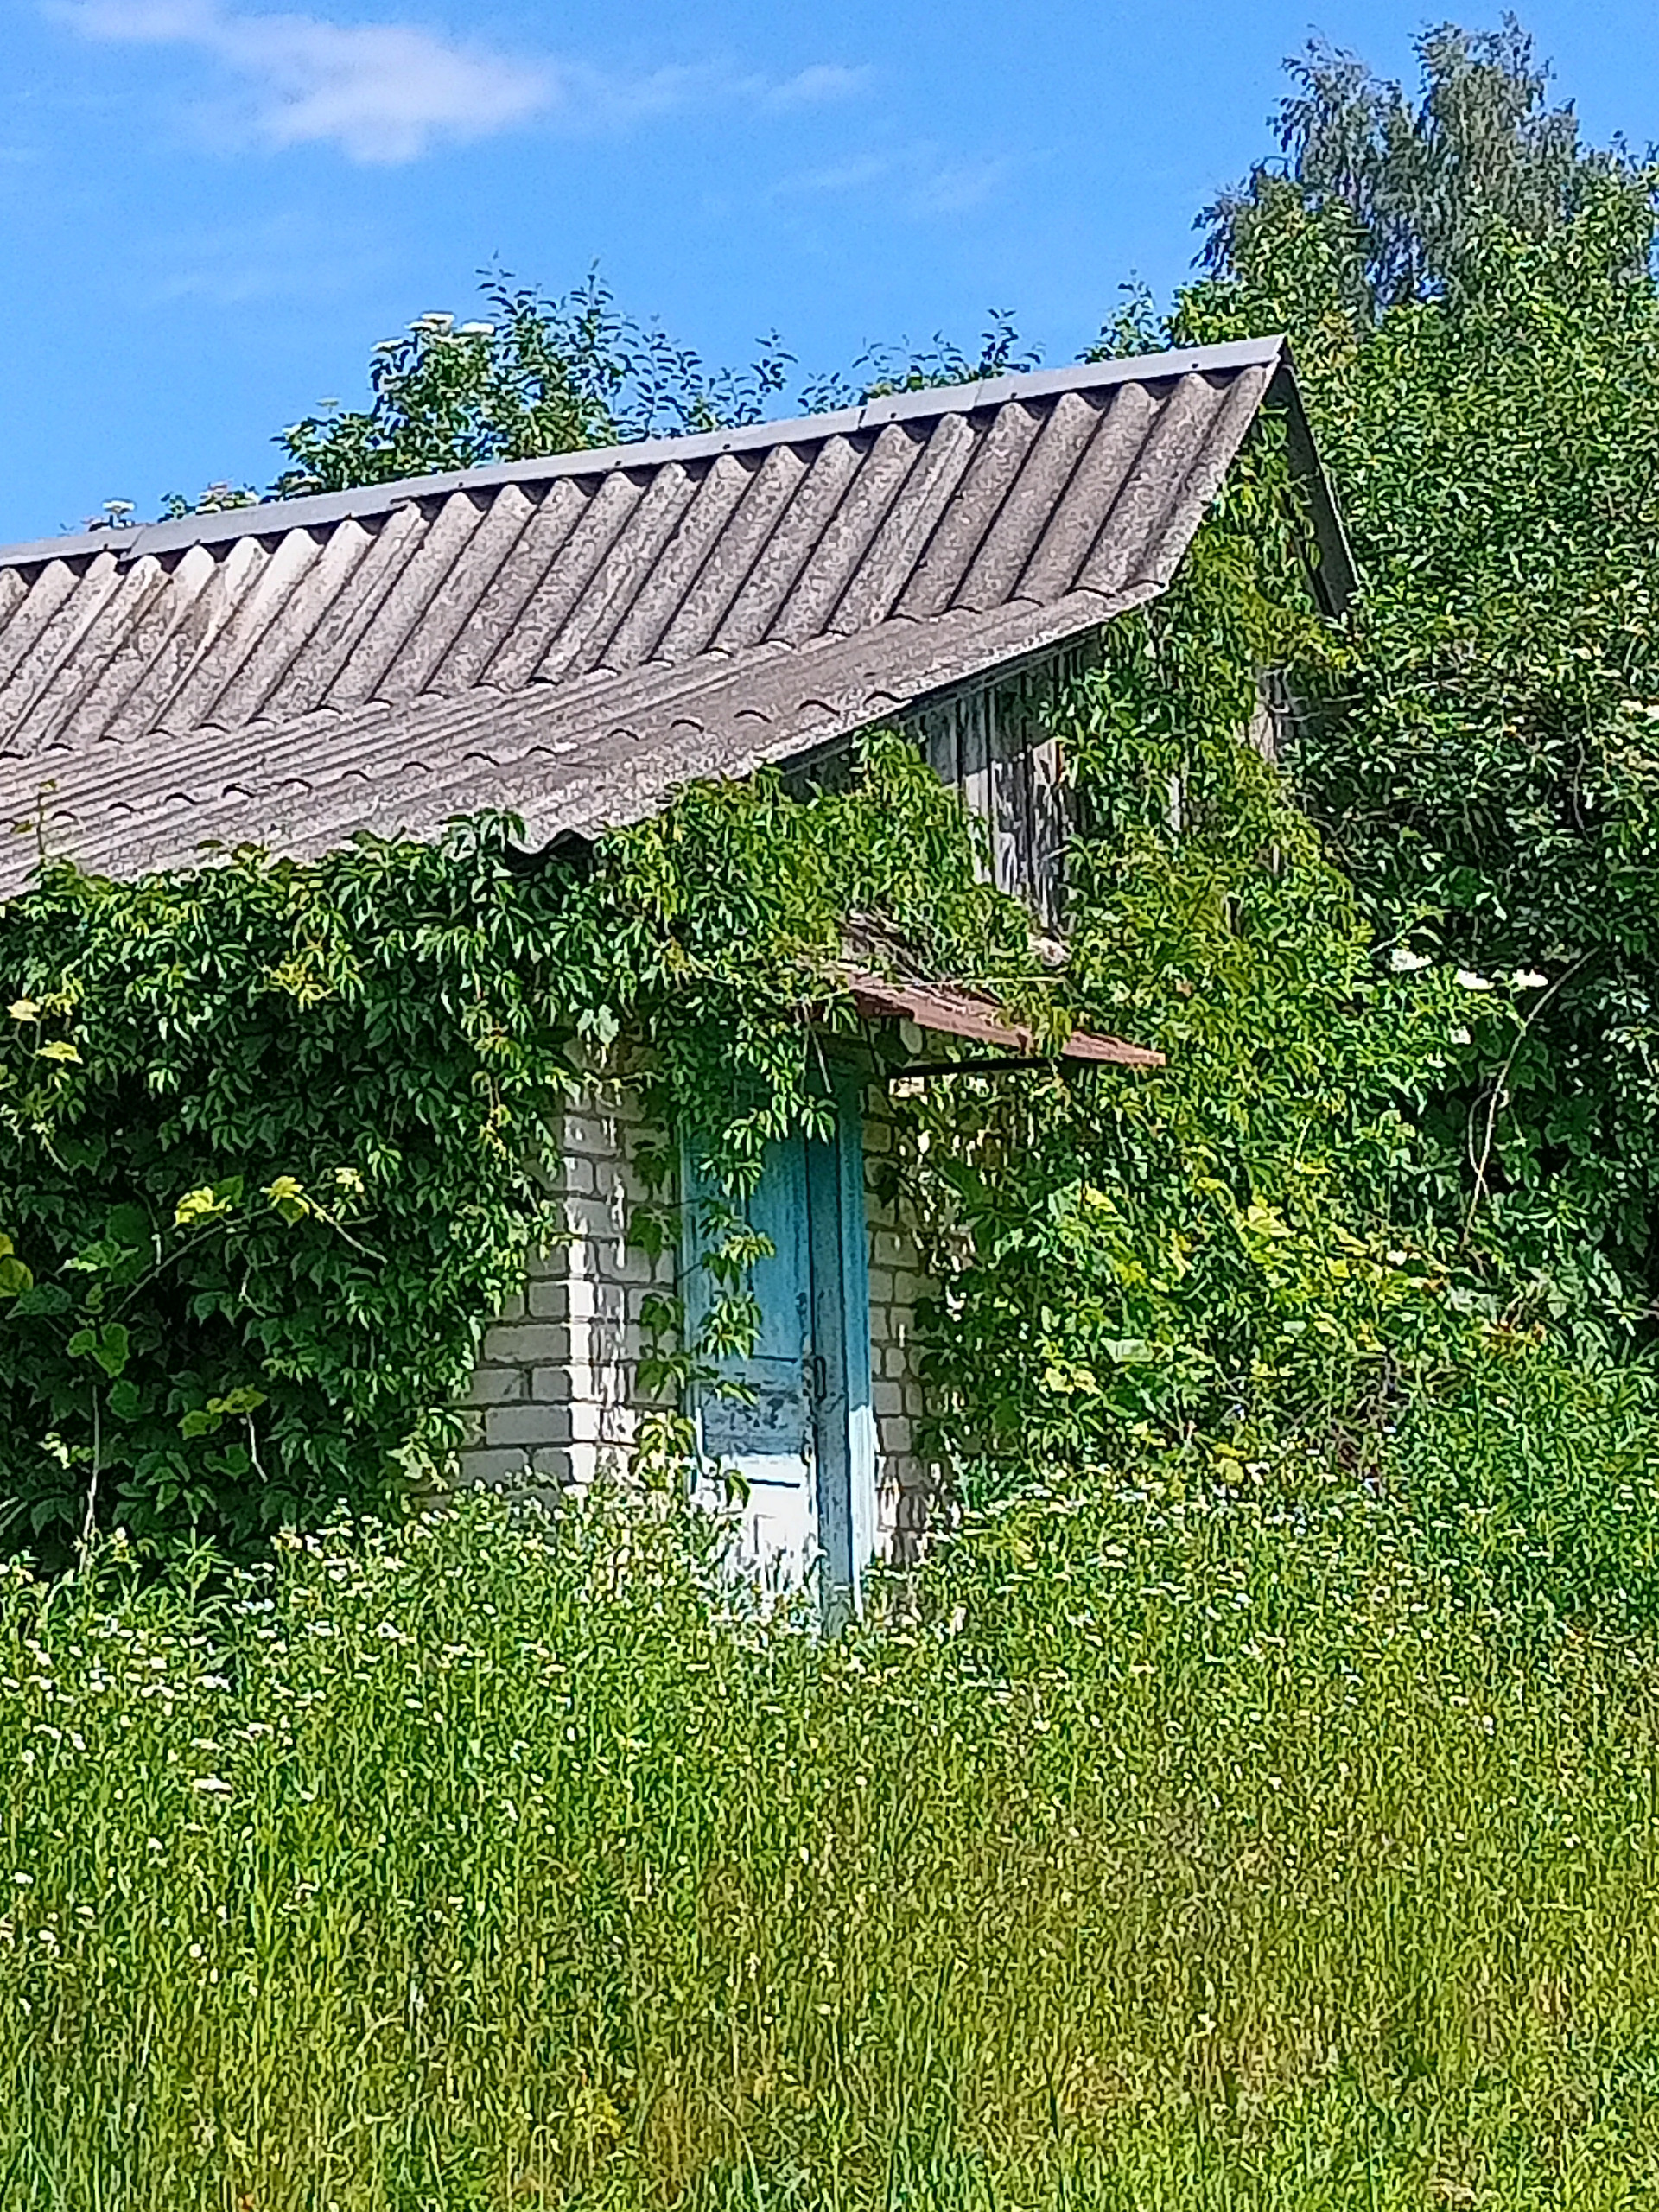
{"points": [[569, 639]]}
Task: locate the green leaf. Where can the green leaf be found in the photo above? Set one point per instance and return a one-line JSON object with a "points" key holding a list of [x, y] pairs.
{"points": [[127, 1225], [114, 1348]]}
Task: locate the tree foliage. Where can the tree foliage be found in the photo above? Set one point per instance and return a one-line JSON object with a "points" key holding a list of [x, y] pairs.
{"points": [[535, 375], [1410, 192], [1485, 767]]}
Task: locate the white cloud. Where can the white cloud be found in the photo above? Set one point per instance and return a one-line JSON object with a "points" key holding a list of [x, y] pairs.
{"points": [[955, 187], [815, 86], [844, 176], [380, 91], [390, 91], [916, 178]]}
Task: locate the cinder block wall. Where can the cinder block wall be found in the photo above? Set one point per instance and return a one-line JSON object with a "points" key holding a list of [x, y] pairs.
{"points": [[554, 1394]]}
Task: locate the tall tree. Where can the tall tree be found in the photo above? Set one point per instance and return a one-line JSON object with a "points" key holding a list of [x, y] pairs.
{"points": [[1469, 293], [1417, 185]]}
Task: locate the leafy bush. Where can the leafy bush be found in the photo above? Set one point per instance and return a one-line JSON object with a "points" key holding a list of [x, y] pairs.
{"points": [[273, 1133]]}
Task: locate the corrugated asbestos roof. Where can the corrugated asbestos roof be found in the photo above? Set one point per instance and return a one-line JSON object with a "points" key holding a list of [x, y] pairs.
{"points": [[570, 639]]}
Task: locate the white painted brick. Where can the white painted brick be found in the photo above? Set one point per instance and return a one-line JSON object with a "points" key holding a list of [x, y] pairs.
{"points": [[528, 1343], [493, 1467], [496, 1386]]}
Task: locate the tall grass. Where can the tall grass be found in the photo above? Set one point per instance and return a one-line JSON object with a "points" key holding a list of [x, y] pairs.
{"points": [[1199, 1851]]}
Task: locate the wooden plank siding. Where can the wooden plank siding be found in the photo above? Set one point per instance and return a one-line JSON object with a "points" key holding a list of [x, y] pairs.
{"points": [[996, 743]]}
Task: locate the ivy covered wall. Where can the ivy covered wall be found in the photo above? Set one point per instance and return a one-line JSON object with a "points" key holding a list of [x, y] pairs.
{"points": [[271, 1130]]}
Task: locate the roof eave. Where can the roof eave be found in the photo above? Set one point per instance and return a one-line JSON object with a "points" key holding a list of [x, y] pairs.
{"points": [[1335, 577]]}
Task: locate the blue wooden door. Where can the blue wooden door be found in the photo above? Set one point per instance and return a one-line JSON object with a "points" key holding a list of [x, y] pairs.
{"points": [[766, 1437], [801, 1439]]}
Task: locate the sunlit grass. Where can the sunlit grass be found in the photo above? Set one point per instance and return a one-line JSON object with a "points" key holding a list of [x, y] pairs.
{"points": [[1201, 1854]]}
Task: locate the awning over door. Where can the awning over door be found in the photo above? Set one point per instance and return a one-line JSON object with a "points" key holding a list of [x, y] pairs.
{"points": [[957, 1013]]}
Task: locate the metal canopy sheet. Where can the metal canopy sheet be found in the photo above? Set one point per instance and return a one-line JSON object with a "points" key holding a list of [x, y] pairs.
{"points": [[952, 1012], [569, 640]]}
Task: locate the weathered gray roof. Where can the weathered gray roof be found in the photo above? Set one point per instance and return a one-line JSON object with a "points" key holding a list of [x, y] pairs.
{"points": [[569, 639]]}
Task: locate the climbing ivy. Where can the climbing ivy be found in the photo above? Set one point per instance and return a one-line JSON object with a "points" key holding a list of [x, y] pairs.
{"points": [[277, 1136], [1258, 1242]]}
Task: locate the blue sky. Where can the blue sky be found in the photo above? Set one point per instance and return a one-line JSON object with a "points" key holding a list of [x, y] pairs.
{"points": [[212, 208]]}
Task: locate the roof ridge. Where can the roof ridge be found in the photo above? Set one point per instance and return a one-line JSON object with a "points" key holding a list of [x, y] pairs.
{"points": [[268, 517]]}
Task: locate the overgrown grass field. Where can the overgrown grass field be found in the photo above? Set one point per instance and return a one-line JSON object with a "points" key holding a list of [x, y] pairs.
{"points": [[1201, 1846]]}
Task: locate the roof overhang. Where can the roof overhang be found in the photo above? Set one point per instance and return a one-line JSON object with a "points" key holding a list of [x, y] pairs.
{"points": [[570, 639], [950, 1011]]}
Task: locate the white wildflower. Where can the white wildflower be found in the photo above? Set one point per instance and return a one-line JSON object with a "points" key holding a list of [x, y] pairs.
{"points": [[1461, 1037], [1471, 982], [1528, 978], [211, 1785], [1405, 962]]}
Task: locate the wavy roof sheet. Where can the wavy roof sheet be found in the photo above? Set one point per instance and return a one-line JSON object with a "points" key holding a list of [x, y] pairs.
{"points": [[570, 639]]}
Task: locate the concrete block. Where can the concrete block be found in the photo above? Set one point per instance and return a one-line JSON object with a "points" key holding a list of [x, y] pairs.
{"points": [[881, 1280], [496, 1386], [527, 1343], [528, 1425], [548, 1264], [492, 1468], [592, 1133], [878, 1136], [887, 1398], [552, 1386], [596, 1219], [895, 1439], [570, 1297]]}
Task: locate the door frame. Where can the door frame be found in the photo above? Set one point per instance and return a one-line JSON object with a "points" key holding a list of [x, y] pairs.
{"points": [[843, 1411]]}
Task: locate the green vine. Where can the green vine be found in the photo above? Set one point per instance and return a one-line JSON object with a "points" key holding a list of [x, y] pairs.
{"points": [[276, 1135], [273, 1132]]}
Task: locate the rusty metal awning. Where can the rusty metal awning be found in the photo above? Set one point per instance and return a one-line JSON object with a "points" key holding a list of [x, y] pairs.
{"points": [[956, 1012]]}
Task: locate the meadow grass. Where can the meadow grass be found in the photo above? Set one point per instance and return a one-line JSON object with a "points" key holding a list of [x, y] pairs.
{"points": [[1204, 1851]]}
